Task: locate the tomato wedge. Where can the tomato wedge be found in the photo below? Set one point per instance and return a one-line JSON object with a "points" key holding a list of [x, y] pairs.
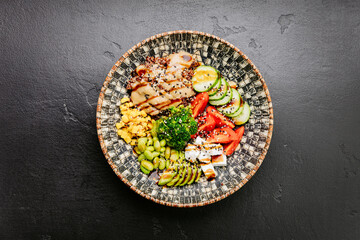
{"points": [[206, 123], [199, 103], [230, 147], [222, 135], [220, 119]]}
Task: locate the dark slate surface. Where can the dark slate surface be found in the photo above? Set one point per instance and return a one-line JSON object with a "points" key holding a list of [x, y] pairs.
{"points": [[55, 182]]}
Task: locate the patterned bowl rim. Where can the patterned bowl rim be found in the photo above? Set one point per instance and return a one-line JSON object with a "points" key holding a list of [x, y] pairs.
{"points": [[113, 166]]}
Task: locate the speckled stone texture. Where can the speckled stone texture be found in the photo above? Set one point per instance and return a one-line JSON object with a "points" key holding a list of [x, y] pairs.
{"points": [[55, 182]]}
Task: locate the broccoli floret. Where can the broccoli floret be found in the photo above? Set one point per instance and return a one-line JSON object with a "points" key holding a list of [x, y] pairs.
{"points": [[177, 128]]}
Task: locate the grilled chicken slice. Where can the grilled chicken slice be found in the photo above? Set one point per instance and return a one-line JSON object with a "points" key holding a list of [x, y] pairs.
{"points": [[159, 86]]}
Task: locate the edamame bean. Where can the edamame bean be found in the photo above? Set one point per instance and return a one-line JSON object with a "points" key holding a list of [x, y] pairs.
{"points": [[150, 148], [141, 157], [148, 165], [155, 139], [142, 144], [162, 164], [148, 155], [155, 154], [162, 149], [167, 164], [157, 146], [167, 152], [163, 143], [144, 170], [150, 142], [136, 149], [156, 162]]}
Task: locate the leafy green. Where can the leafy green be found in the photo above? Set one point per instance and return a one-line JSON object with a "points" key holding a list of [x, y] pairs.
{"points": [[177, 128]]}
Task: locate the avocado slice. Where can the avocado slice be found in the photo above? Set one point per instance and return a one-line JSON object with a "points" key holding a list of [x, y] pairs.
{"points": [[176, 178], [188, 176], [198, 175], [192, 179], [166, 178], [182, 176]]}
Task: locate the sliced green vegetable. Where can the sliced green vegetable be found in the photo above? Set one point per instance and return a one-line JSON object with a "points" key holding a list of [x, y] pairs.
{"points": [[221, 93], [233, 105], [198, 175], [193, 176], [215, 89], [166, 178], [188, 176], [244, 116], [225, 100], [204, 78]]}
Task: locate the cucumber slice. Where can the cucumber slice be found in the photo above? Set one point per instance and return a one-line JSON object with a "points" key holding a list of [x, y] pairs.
{"points": [[215, 89], [226, 99], [221, 93], [233, 105], [205, 78], [239, 111], [244, 116]]}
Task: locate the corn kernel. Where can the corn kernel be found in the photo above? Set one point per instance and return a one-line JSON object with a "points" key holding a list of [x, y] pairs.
{"points": [[125, 119], [134, 129], [124, 99], [143, 113]]}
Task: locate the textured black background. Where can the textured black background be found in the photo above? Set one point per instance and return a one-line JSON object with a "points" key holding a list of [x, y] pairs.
{"points": [[55, 182]]}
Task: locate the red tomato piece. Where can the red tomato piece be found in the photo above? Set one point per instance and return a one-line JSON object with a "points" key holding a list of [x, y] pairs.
{"points": [[206, 123], [222, 135], [199, 103], [230, 147], [220, 119]]}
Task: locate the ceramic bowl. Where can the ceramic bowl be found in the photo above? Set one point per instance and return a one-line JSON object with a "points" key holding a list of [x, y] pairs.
{"points": [[235, 66]]}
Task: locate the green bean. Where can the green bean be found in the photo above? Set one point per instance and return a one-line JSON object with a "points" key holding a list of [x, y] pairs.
{"points": [[167, 152], [150, 142], [148, 165], [150, 148], [148, 155], [155, 154], [162, 164], [141, 157], [167, 164], [142, 144], [156, 162], [163, 143], [157, 146], [144, 170], [162, 149]]}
